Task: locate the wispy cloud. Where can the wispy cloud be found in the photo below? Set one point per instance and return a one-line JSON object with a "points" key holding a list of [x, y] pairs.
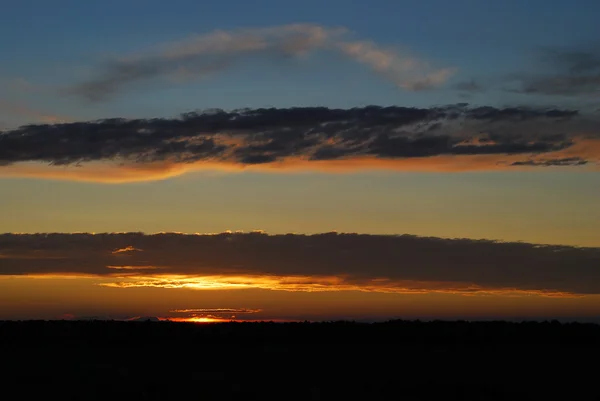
{"points": [[18, 109], [402, 71], [449, 138], [309, 263], [557, 72], [216, 310], [211, 314], [127, 250], [566, 73], [136, 268], [203, 55], [328, 284]]}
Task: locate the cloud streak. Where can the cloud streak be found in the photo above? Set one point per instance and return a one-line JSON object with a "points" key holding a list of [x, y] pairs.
{"points": [[204, 55], [208, 315], [16, 109], [453, 138], [558, 72], [216, 310], [571, 73], [320, 262]]}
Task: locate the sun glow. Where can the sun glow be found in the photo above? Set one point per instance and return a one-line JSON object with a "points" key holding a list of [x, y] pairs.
{"points": [[322, 283], [195, 319]]}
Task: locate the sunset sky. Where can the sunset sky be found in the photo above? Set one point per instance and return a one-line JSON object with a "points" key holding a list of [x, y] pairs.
{"points": [[299, 160]]}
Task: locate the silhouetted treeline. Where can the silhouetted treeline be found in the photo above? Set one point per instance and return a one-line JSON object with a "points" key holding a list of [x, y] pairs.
{"points": [[404, 360], [94, 332]]}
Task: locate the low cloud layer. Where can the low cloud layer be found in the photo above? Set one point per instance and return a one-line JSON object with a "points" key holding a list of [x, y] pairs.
{"points": [[211, 314], [454, 137], [321, 262], [204, 55]]}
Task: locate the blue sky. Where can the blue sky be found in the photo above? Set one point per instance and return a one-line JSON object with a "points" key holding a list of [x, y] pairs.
{"points": [[50, 45], [51, 49]]}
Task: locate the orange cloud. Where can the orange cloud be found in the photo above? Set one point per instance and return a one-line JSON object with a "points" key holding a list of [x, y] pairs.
{"points": [[307, 263], [103, 172], [453, 138], [322, 284], [212, 319], [206, 319], [217, 310], [127, 249], [211, 315]]}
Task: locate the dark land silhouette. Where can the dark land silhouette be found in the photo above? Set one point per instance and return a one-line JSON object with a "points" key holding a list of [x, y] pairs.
{"points": [[395, 360]]}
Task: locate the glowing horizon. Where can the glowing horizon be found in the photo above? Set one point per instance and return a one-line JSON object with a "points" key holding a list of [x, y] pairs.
{"points": [[204, 165]]}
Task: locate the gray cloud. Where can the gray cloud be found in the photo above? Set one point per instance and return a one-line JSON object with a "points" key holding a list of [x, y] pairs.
{"points": [[566, 161], [565, 73], [261, 136], [469, 86], [574, 62], [569, 85], [203, 55], [320, 262]]}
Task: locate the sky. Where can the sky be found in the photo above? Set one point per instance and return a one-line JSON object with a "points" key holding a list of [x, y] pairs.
{"points": [[299, 160]]}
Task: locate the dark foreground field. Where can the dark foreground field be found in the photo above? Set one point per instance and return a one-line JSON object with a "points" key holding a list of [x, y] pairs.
{"points": [[94, 360]]}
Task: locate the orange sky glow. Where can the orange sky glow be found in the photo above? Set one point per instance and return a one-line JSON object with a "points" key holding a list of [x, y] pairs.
{"points": [[126, 172]]}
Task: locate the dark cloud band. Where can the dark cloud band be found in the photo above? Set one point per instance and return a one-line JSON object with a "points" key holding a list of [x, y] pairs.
{"points": [[326, 261], [259, 136]]}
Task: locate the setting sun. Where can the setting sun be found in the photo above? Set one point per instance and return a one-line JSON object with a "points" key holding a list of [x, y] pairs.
{"points": [[200, 320]]}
